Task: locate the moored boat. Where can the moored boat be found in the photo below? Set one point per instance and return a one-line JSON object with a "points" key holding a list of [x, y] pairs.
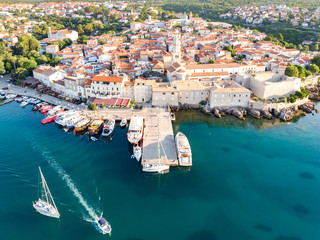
{"points": [[23, 104], [54, 110], [46, 109], [183, 150], [123, 122], [154, 167], [95, 128], [48, 119], [73, 121], [104, 226], [63, 118], [82, 125], [137, 152], [108, 127], [135, 130]]}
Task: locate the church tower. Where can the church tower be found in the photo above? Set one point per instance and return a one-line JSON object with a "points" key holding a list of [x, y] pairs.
{"points": [[176, 50]]}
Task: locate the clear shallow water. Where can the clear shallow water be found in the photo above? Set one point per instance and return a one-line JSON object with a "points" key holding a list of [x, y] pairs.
{"points": [[246, 183]]}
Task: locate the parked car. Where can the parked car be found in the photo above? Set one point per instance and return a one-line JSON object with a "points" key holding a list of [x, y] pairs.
{"points": [[5, 88]]}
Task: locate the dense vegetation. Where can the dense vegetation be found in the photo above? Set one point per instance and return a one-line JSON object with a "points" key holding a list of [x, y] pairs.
{"points": [[23, 57]]}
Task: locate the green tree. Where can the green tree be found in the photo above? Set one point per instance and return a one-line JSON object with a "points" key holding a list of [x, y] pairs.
{"points": [[102, 41], [301, 71], [300, 48], [212, 61], [20, 73], [280, 37], [315, 47], [291, 70], [313, 68], [42, 60], [92, 106], [230, 49], [306, 48], [316, 60], [54, 62], [268, 38], [2, 68]]}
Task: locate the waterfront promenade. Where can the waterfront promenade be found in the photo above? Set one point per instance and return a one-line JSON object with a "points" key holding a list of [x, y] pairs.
{"points": [[158, 138], [24, 91]]}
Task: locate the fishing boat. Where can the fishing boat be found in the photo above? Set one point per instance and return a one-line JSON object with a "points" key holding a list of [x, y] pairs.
{"points": [[95, 129], [82, 125], [108, 127], [45, 205], [104, 226], [154, 167], [137, 152], [23, 104], [135, 130], [71, 122], [172, 116], [46, 109], [54, 110], [123, 122], [183, 150]]}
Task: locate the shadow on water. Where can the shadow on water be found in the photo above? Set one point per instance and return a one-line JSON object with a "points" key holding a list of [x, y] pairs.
{"points": [[263, 228], [281, 237], [306, 175], [203, 235], [195, 116]]}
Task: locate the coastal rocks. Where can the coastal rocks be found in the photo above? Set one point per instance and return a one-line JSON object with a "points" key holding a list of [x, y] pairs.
{"points": [[216, 112], [254, 113], [314, 96], [276, 112], [266, 114], [238, 113], [206, 111], [286, 114], [307, 107]]}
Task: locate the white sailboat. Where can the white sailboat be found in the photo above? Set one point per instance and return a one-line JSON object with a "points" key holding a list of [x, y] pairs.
{"points": [[45, 205]]}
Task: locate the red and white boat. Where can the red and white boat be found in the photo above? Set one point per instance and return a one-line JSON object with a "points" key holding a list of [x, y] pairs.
{"points": [[51, 118], [46, 109]]}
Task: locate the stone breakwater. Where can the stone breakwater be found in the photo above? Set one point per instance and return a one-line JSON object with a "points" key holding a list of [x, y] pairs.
{"points": [[284, 114]]}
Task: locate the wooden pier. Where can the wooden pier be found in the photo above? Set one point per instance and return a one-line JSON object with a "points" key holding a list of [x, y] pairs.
{"points": [[158, 138]]}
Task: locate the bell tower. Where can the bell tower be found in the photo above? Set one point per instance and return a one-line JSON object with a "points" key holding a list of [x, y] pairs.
{"points": [[176, 50]]}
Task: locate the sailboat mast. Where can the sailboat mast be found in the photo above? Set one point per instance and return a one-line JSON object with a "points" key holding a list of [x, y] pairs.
{"points": [[43, 181]]}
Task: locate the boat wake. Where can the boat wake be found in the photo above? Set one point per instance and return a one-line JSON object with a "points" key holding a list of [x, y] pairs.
{"points": [[67, 179]]}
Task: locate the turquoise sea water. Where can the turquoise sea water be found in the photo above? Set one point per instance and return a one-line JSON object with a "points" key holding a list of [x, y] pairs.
{"points": [[246, 183]]}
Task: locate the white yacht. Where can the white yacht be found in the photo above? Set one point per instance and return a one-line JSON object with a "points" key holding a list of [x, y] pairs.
{"points": [[154, 167], [137, 152], [183, 150], [62, 119], [135, 130], [108, 127], [45, 205], [104, 226]]}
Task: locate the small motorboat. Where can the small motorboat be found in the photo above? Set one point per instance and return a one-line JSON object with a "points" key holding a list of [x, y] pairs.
{"points": [[108, 127], [172, 116], [23, 104], [19, 99], [93, 138], [104, 226], [123, 122], [137, 152]]}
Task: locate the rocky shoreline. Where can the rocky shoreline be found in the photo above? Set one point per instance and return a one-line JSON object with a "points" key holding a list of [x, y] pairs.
{"points": [[285, 114]]}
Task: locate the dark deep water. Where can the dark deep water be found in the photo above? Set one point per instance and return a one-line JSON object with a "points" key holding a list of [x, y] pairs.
{"points": [[246, 183]]}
